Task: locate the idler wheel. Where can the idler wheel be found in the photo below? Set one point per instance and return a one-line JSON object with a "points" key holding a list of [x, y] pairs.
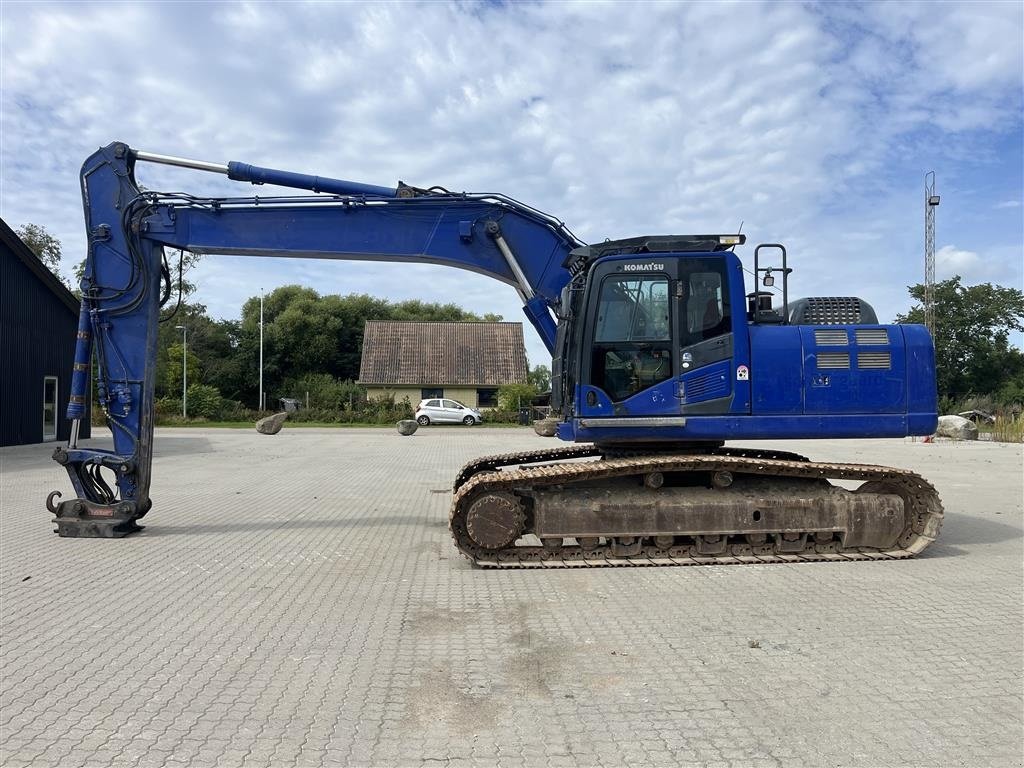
{"points": [[495, 520]]}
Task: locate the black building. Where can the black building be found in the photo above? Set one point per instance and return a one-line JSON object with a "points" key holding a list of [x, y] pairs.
{"points": [[38, 323]]}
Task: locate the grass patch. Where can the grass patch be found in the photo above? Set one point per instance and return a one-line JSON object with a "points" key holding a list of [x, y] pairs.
{"points": [[1004, 431]]}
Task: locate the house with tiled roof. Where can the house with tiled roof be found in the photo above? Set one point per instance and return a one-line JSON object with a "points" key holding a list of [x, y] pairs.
{"points": [[462, 361]]}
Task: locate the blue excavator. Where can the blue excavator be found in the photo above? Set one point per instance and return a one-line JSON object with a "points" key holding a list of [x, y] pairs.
{"points": [[660, 356]]}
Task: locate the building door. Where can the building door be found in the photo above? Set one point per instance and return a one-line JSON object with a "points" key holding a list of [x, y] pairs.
{"points": [[49, 408]]}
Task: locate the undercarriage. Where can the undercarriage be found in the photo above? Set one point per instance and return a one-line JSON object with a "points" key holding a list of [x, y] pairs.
{"points": [[584, 506]]}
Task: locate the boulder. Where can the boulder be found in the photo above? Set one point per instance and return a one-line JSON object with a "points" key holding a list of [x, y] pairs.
{"points": [[407, 426], [271, 425], [957, 427], [546, 427]]}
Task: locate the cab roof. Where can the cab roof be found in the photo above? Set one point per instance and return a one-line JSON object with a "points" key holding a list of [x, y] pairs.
{"points": [[580, 257]]}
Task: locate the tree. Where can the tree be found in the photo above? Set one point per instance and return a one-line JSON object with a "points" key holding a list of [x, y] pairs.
{"points": [[173, 372], [306, 333], [972, 337], [180, 263], [212, 351], [540, 378], [45, 246]]}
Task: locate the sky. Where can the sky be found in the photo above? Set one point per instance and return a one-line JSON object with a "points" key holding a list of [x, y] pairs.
{"points": [[812, 124]]}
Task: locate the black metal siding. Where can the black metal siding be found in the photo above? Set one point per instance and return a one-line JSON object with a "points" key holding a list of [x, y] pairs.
{"points": [[37, 339]]}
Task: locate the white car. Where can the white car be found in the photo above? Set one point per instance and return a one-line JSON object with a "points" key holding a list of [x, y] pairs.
{"points": [[441, 410]]}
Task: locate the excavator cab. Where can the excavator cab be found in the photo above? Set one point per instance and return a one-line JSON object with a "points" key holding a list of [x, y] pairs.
{"points": [[663, 332]]}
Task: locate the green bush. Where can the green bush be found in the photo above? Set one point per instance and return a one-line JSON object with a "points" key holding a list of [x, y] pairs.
{"points": [[512, 397], [384, 411], [204, 402], [325, 392], [167, 407], [233, 410], [1011, 394]]}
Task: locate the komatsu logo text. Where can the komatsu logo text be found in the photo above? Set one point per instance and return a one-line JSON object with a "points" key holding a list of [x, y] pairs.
{"points": [[651, 267]]}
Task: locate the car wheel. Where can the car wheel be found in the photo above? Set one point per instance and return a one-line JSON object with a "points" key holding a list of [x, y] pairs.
{"points": [[423, 421], [469, 421]]}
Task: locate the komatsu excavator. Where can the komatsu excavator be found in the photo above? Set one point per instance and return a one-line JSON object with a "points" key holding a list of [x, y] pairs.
{"points": [[659, 357]]}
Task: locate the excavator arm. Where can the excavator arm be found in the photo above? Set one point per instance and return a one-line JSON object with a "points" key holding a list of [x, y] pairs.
{"points": [[127, 279]]}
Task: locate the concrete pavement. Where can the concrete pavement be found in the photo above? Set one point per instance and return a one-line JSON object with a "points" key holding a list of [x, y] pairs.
{"points": [[295, 600]]}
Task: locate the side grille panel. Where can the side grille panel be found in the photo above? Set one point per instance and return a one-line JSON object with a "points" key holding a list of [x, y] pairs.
{"points": [[874, 360], [871, 336], [831, 337], [707, 385], [833, 360]]}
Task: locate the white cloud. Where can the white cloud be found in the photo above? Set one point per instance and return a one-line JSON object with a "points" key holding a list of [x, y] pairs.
{"points": [[620, 119], [950, 260], [1009, 204], [996, 267]]}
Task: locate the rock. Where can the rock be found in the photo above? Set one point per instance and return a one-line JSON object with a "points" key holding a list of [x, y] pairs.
{"points": [[957, 427], [407, 426], [271, 425], [546, 427]]}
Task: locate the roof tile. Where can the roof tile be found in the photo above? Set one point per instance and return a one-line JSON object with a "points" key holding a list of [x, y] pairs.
{"points": [[483, 354]]}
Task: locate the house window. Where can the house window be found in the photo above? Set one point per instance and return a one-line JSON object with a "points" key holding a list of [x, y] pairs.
{"points": [[487, 398], [50, 408], [428, 392]]}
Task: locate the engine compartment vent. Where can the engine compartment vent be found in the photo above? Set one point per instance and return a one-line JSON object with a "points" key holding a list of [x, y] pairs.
{"points": [[874, 360], [831, 338], [833, 360], [872, 336], [832, 310]]}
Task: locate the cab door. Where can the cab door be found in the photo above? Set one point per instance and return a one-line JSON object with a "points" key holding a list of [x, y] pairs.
{"points": [[628, 358], [705, 338]]}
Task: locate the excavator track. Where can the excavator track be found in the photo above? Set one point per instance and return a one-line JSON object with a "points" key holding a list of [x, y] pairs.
{"points": [[493, 508], [564, 453]]}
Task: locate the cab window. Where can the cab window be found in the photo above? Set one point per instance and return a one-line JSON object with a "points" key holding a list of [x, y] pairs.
{"points": [[633, 310], [632, 336], [707, 311]]}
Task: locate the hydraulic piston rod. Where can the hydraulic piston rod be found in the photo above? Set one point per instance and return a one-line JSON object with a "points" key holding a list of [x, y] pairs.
{"points": [[182, 162], [255, 174]]}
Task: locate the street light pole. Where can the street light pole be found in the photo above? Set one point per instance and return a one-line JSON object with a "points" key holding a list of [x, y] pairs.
{"points": [[260, 405], [184, 370], [931, 202]]}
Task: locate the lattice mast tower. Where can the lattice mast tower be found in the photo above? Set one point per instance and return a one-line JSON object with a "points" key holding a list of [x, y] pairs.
{"points": [[931, 202]]}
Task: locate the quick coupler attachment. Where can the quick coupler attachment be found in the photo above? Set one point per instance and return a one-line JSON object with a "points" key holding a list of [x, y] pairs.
{"points": [[97, 512], [82, 519]]}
